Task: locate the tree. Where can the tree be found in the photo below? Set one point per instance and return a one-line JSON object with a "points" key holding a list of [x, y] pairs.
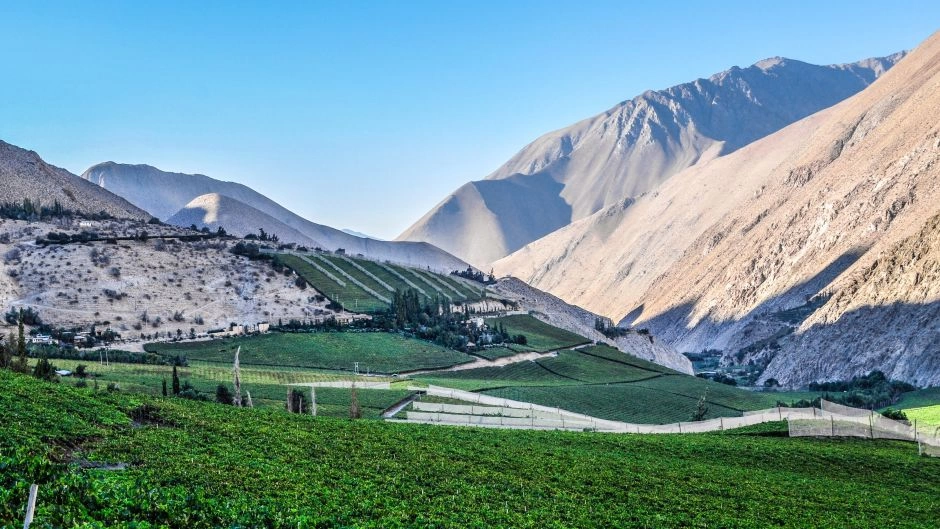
{"points": [[701, 409], [164, 386], [223, 395], [21, 364], [81, 371], [44, 370], [6, 355], [176, 381]]}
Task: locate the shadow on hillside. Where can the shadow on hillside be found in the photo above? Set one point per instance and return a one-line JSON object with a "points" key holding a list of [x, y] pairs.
{"points": [[768, 322]]}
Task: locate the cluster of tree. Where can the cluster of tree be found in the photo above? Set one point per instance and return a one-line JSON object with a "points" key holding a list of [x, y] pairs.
{"points": [[26, 315], [219, 232], [870, 391], [294, 325], [475, 275], [64, 238], [873, 390], [13, 353], [608, 329], [35, 211], [250, 250], [722, 378], [436, 321], [262, 236]]}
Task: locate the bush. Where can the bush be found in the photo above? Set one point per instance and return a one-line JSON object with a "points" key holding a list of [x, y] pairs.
{"points": [[897, 415]]}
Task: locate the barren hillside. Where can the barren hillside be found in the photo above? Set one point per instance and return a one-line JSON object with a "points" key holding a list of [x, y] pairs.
{"points": [[143, 286], [214, 211], [24, 175]]}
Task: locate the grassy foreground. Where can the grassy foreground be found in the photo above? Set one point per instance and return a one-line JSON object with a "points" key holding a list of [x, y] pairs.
{"points": [[192, 464]]}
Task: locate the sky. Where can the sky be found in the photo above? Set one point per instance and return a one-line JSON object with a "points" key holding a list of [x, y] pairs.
{"points": [[365, 115]]}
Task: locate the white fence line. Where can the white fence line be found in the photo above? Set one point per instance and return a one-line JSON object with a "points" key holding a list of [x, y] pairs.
{"points": [[403, 278], [833, 420]]}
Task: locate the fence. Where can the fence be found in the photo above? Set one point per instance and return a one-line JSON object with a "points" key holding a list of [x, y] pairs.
{"points": [[830, 420]]}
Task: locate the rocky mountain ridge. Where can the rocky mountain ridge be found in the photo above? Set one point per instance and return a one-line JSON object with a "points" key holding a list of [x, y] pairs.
{"points": [[631, 149]]}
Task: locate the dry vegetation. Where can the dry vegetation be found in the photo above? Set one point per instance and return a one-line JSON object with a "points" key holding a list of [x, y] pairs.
{"points": [[154, 286]]}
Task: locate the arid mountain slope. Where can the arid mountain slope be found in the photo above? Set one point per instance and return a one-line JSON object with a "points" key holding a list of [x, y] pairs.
{"points": [[164, 194], [885, 316], [23, 174], [631, 149], [736, 253]]}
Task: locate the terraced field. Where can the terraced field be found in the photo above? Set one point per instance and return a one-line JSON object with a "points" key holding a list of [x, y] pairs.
{"points": [[376, 352], [541, 336], [361, 285], [347, 294]]}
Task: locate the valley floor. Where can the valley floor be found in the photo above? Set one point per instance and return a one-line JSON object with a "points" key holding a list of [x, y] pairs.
{"points": [[198, 464]]}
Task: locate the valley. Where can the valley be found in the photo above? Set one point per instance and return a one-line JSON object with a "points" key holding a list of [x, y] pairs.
{"points": [[715, 304]]}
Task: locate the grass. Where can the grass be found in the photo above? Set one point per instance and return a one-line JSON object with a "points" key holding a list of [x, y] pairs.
{"points": [[926, 416], [493, 353], [540, 336], [205, 465], [376, 352]]}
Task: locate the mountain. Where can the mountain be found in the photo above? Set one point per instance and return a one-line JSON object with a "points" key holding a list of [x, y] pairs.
{"points": [[23, 174], [213, 210], [168, 195], [631, 149], [809, 252]]}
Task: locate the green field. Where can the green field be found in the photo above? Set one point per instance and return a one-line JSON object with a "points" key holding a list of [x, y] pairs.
{"points": [[376, 352], [925, 416], [492, 353], [606, 383], [191, 464], [349, 296], [268, 386], [540, 336]]}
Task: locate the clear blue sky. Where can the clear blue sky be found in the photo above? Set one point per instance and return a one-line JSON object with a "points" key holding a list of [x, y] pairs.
{"points": [[364, 115]]}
